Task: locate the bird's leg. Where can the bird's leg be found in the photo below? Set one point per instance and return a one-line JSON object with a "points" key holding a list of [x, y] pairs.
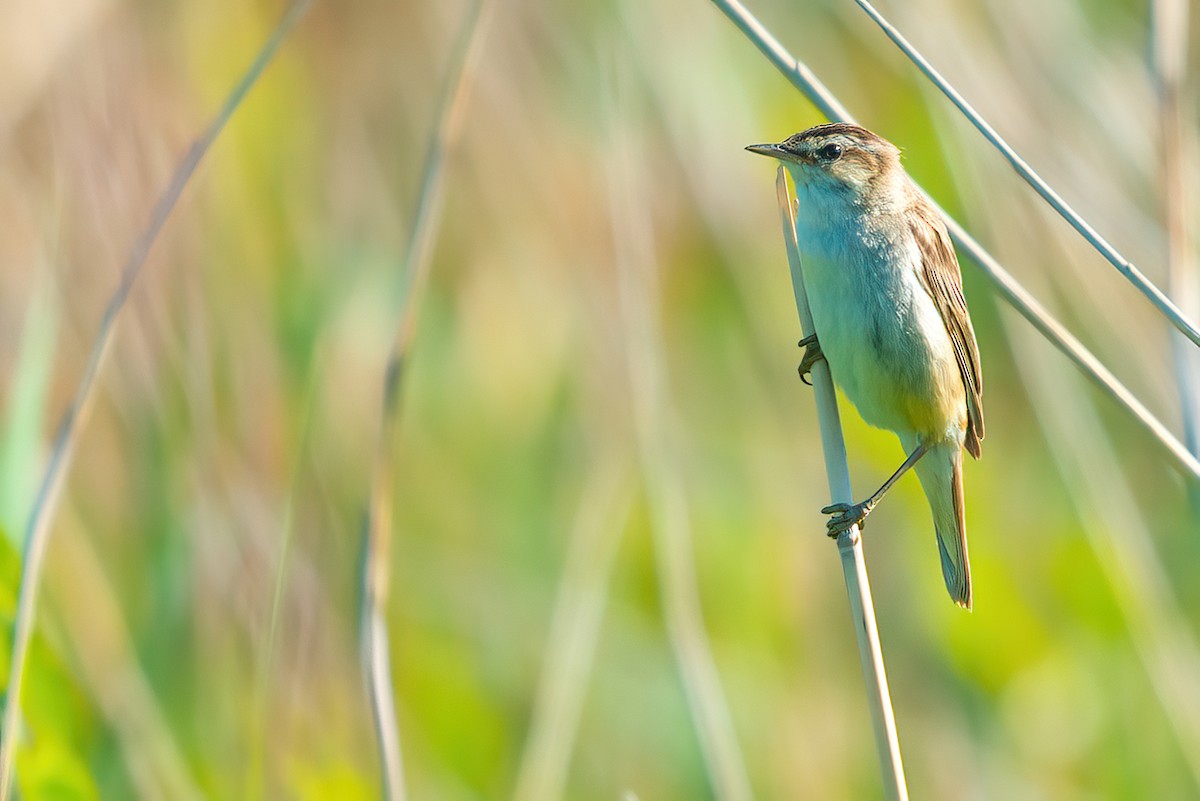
{"points": [[812, 355], [846, 515]]}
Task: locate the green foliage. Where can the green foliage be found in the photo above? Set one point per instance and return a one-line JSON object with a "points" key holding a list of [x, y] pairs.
{"points": [[58, 724]]}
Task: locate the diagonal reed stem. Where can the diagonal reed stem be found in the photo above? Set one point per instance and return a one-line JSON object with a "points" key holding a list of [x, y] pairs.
{"points": [[37, 530], [412, 276], [1009, 288], [854, 566], [1161, 302]]}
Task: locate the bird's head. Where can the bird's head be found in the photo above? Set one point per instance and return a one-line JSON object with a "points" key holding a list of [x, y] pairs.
{"points": [[846, 160]]}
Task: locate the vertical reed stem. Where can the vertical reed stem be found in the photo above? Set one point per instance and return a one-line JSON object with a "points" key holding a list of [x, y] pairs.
{"points": [[849, 543], [378, 523]]}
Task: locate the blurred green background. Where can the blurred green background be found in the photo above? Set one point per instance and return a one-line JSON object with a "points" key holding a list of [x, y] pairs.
{"points": [[603, 441]]}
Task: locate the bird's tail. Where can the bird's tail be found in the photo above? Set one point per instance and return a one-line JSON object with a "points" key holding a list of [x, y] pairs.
{"points": [[941, 477]]}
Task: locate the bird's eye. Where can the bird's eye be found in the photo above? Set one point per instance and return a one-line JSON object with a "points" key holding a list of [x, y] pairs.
{"points": [[831, 152]]}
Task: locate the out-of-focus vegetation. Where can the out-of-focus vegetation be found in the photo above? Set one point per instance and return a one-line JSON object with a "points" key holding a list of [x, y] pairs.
{"points": [[606, 349]]}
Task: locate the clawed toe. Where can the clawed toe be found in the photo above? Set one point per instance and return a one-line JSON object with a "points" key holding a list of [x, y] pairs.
{"points": [[812, 355], [845, 516]]}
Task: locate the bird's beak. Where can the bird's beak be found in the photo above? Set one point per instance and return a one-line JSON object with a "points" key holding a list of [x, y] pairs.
{"points": [[774, 151]]}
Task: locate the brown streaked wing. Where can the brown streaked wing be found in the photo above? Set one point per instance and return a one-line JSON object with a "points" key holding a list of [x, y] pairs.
{"points": [[942, 279]]}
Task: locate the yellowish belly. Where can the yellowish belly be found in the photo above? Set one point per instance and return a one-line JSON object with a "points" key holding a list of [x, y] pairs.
{"points": [[890, 353]]}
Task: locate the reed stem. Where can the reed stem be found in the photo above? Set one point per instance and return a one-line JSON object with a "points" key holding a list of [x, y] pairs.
{"points": [[849, 542]]}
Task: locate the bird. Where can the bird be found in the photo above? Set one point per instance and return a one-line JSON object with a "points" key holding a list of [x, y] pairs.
{"points": [[890, 319]]}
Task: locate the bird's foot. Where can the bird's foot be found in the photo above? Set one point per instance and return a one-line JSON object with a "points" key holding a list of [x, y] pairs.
{"points": [[846, 516], [812, 355]]}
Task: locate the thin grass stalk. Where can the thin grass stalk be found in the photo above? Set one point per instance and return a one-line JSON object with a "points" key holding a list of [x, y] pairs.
{"points": [[106, 661], [412, 277], [574, 631], [1170, 48], [666, 494], [1126, 268], [849, 542], [37, 531], [1008, 287], [254, 782]]}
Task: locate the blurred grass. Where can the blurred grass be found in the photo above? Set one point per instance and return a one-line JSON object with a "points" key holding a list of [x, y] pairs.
{"points": [[271, 283]]}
